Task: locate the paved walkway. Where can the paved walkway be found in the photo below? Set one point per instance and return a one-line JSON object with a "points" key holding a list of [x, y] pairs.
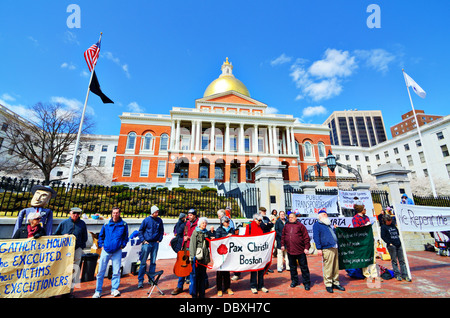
{"points": [[430, 279]]}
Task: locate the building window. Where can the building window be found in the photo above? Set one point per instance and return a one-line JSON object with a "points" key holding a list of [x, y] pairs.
{"points": [[164, 142], [233, 145], [386, 154], [59, 174], [418, 143], [356, 157], [102, 161], [145, 165], [444, 150], [219, 143], [448, 169], [4, 127], [91, 147], [377, 157], [406, 147], [261, 145], [425, 172], [161, 173], [347, 157], [399, 161], [440, 135], [185, 140], [127, 165], [131, 141], [367, 159], [148, 142], [410, 160], [115, 148], [321, 147], [205, 142], [308, 149], [113, 163], [247, 144], [89, 161], [422, 157], [104, 148]]}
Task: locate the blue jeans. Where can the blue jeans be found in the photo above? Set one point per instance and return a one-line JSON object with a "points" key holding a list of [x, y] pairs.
{"points": [[116, 258], [147, 249]]}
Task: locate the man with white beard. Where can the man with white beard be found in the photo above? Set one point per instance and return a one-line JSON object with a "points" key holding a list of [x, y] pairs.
{"points": [[326, 244]]}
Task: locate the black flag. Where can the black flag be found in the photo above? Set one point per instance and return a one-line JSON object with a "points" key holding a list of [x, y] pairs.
{"points": [[95, 88]]}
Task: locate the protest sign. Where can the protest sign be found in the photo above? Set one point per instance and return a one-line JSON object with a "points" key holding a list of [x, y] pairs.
{"points": [[312, 203], [242, 253], [356, 247], [347, 199], [39, 268], [416, 218]]}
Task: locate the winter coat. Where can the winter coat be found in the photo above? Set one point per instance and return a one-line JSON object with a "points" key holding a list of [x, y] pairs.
{"points": [[295, 238], [222, 231], [198, 239], [151, 229], [253, 229], [78, 229], [22, 232], [279, 225], [322, 236], [113, 236]]}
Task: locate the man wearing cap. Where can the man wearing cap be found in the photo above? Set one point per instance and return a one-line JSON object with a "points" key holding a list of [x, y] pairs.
{"points": [[326, 243], [77, 227], [151, 233], [41, 197], [189, 228]]}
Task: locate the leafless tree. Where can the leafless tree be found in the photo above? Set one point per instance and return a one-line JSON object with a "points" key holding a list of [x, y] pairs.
{"points": [[43, 142]]}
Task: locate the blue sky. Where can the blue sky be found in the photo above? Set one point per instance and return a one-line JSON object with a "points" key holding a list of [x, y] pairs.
{"points": [[305, 58]]}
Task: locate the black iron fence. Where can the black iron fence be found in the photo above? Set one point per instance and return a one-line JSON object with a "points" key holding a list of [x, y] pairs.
{"points": [[15, 195], [443, 201]]}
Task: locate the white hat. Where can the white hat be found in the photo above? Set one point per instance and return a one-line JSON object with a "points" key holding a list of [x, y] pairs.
{"points": [[154, 209], [33, 216]]}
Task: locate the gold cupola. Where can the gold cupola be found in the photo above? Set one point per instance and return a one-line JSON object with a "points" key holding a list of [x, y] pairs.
{"points": [[226, 82]]}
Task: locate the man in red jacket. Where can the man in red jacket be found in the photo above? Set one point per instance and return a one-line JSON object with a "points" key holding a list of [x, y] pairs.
{"points": [[295, 240]]}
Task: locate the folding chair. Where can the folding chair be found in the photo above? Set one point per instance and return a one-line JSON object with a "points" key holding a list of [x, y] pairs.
{"points": [[154, 279]]}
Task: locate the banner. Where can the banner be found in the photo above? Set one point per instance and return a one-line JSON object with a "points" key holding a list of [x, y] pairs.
{"points": [[347, 199], [242, 253], [39, 268], [356, 247], [312, 203], [417, 218]]}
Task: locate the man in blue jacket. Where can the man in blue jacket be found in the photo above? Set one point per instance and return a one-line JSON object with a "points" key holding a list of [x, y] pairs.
{"points": [[113, 238], [151, 233], [327, 247]]}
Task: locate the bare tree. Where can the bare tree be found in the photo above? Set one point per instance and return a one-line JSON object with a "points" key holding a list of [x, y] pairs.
{"points": [[43, 142]]}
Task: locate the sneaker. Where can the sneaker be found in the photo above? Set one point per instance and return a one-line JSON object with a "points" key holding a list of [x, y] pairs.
{"points": [[96, 295], [235, 277], [115, 293], [407, 279], [219, 293], [229, 291], [398, 278], [140, 285], [254, 290], [264, 290]]}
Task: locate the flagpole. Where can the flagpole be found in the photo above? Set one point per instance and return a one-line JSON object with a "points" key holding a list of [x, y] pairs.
{"points": [[80, 128], [420, 137]]}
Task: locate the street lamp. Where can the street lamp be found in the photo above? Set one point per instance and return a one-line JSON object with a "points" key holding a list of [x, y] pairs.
{"points": [[331, 161]]}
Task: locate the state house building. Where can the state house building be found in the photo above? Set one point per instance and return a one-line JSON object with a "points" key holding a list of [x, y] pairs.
{"points": [[218, 142]]}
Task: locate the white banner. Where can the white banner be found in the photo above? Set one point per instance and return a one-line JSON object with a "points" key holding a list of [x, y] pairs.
{"points": [[347, 199], [242, 253], [311, 203], [417, 218]]}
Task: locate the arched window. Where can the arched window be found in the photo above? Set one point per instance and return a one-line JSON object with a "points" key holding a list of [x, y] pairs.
{"points": [[321, 147], [147, 142], [131, 141], [308, 149], [164, 142]]}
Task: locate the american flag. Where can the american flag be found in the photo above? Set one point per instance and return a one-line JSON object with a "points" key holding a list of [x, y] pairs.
{"points": [[91, 55]]}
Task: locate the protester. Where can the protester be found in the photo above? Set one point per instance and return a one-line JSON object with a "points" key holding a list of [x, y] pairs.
{"points": [[327, 247], [151, 233], [406, 200], [41, 197], [199, 256], [256, 277], [266, 226], [178, 232], [282, 256], [77, 227], [359, 220], [189, 228], [295, 240], [223, 281], [228, 214], [32, 229], [212, 233], [274, 216], [391, 236], [113, 238]]}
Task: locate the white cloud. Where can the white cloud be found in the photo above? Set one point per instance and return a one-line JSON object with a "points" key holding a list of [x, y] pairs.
{"points": [[282, 59], [378, 59], [116, 61], [72, 104], [7, 97], [271, 110], [325, 89], [69, 66], [135, 108], [70, 38], [311, 111], [336, 63]]}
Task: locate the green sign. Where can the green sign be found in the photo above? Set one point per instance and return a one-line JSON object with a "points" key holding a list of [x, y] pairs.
{"points": [[356, 247]]}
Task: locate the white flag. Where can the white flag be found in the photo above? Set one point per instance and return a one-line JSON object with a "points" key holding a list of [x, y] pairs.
{"points": [[417, 89]]}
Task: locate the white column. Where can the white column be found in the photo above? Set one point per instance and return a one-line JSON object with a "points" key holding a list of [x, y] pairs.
{"points": [[213, 137], [270, 133], [177, 136], [255, 139], [172, 136], [266, 141], [199, 135], [293, 141], [275, 140], [191, 148], [241, 139], [288, 140], [227, 138], [283, 143]]}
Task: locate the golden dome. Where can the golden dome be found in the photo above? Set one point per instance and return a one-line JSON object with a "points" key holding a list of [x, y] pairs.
{"points": [[226, 82]]}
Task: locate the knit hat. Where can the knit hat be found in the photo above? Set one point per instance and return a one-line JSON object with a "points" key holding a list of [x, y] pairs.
{"points": [[182, 215], [154, 209], [192, 211], [322, 211], [33, 216]]}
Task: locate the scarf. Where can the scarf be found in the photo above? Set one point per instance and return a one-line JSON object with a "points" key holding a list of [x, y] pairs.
{"points": [[32, 231]]}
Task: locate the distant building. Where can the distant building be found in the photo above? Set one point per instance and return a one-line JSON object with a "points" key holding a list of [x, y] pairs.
{"points": [[408, 122], [356, 128]]}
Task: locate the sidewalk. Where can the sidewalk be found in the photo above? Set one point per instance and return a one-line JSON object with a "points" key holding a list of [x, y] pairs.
{"points": [[430, 279]]}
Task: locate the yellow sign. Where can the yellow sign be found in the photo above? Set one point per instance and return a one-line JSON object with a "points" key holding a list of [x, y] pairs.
{"points": [[39, 268]]}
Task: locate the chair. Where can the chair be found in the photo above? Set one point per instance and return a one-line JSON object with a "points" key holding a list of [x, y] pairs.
{"points": [[154, 279]]}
